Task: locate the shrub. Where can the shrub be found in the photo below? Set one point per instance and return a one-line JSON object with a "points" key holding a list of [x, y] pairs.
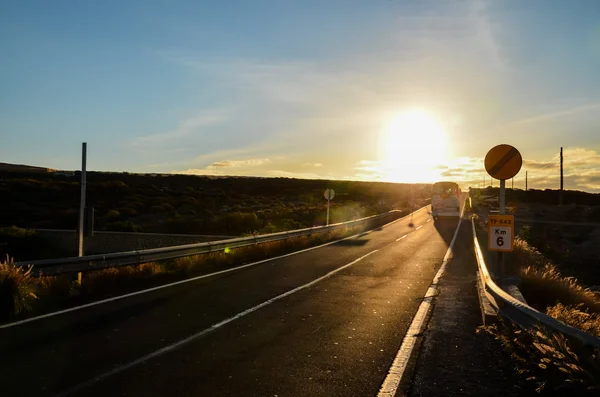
{"points": [[556, 366], [112, 214], [17, 289], [525, 233], [546, 287], [123, 226], [14, 231], [576, 316]]}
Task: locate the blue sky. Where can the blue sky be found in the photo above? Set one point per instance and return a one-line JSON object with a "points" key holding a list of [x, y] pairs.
{"points": [[303, 88]]}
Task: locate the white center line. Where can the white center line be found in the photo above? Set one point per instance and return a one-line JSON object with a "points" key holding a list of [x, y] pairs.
{"points": [[188, 280], [418, 227], [205, 331], [400, 238]]}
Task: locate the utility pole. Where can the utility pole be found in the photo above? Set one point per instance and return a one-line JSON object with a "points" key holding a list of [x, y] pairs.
{"points": [[512, 183], [560, 199], [525, 180], [82, 204]]}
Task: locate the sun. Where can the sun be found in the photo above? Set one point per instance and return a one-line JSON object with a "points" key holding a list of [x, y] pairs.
{"points": [[412, 145]]}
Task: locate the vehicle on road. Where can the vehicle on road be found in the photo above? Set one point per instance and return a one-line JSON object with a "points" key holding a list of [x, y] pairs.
{"points": [[445, 200]]}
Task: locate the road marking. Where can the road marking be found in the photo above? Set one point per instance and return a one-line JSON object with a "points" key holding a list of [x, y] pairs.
{"points": [[396, 371], [400, 238], [418, 227], [188, 280], [428, 219], [205, 331]]}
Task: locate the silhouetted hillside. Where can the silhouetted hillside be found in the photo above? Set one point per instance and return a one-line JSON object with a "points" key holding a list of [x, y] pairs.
{"points": [[193, 204]]}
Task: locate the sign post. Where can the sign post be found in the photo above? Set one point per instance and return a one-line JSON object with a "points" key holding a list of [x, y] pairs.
{"points": [[502, 162], [329, 195]]}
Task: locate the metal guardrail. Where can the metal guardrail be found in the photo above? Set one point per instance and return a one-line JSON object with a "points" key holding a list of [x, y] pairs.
{"points": [[52, 267], [521, 314]]}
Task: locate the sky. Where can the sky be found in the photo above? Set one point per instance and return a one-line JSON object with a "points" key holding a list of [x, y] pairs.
{"points": [[380, 90]]}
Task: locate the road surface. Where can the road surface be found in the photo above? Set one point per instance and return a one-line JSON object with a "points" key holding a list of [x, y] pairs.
{"points": [[324, 322]]}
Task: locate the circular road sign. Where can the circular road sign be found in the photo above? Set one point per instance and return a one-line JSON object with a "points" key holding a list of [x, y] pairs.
{"points": [[503, 162], [329, 194]]}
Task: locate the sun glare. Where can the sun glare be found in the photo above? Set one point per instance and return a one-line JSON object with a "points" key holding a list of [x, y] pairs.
{"points": [[413, 144]]}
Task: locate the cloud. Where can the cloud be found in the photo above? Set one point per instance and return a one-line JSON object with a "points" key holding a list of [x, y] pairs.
{"points": [[453, 172], [556, 114], [539, 165], [300, 175], [193, 125], [279, 167], [485, 33], [238, 163], [580, 168]]}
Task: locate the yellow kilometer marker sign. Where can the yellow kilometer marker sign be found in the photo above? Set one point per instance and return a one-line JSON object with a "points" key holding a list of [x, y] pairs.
{"points": [[501, 230]]}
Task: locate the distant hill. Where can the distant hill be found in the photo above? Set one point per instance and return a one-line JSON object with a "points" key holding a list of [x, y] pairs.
{"points": [[21, 168], [193, 204]]}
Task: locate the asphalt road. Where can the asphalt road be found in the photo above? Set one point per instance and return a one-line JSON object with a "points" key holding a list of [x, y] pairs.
{"points": [[334, 337]]}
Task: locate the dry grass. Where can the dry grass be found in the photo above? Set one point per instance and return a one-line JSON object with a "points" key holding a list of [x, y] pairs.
{"points": [[556, 366], [17, 289], [544, 286], [576, 316], [20, 293]]}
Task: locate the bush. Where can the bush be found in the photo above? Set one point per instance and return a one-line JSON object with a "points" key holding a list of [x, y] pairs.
{"points": [[544, 287], [576, 316], [112, 214], [525, 233], [550, 361], [123, 226], [542, 283], [17, 289], [24, 244], [14, 231], [237, 223]]}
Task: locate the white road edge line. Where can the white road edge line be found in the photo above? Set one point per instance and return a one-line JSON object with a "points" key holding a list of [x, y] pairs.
{"points": [[396, 372], [205, 331], [188, 280]]}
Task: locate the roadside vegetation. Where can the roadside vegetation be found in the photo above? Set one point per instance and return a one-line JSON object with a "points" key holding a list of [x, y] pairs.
{"points": [[547, 289], [22, 295], [191, 204], [184, 204], [555, 365]]}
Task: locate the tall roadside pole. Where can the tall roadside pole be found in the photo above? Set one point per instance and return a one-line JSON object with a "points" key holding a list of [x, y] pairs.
{"points": [[329, 194], [82, 204], [560, 197], [502, 162]]}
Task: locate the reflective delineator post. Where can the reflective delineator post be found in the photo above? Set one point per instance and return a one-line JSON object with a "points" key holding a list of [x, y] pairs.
{"points": [[82, 205]]}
